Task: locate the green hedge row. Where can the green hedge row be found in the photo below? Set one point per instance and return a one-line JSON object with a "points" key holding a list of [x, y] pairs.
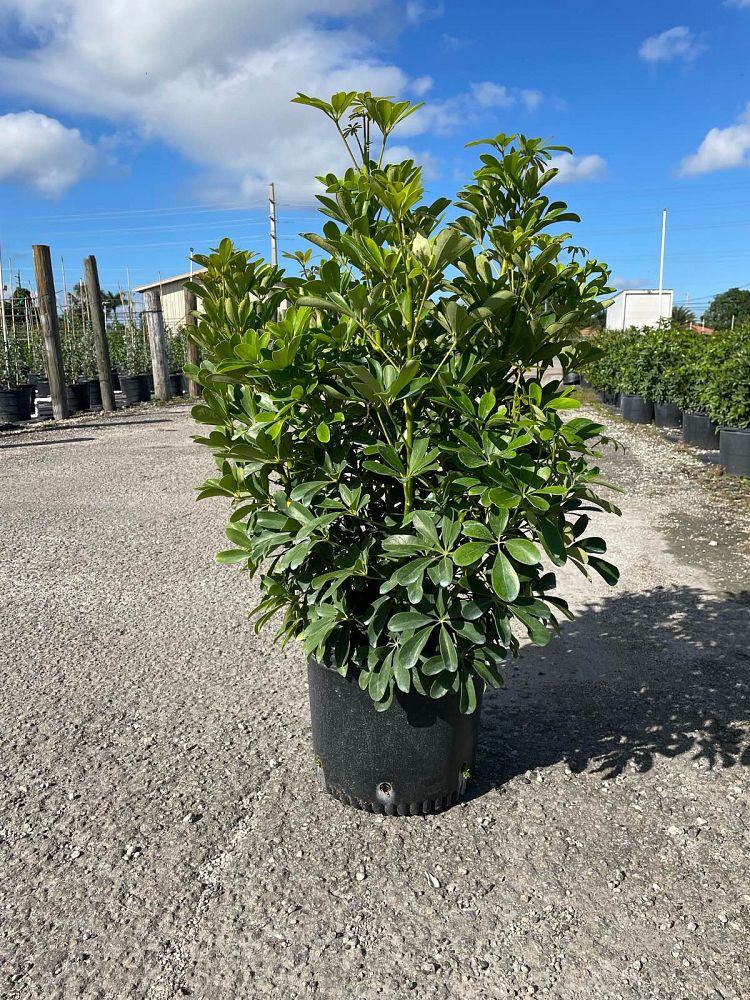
{"points": [[701, 373]]}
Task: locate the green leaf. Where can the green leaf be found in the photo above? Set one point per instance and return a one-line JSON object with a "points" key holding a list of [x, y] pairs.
{"points": [[475, 529], [433, 666], [469, 552], [487, 404], [467, 701], [408, 621], [505, 580], [408, 653], [230, 556], [606, 570], [412, 571], [323, 433], [448, 650], [552, 540], [402, 675], [523, 551], [596, 546]]}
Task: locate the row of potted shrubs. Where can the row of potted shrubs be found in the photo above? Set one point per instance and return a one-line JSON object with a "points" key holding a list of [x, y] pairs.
{"points": [[18, 402], [681, 378]]}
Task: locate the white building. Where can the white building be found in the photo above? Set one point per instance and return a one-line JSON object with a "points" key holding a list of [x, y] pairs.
{"points": [[173, 302], [640, 307]]}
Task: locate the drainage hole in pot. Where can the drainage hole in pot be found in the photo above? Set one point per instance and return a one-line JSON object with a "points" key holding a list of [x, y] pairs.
{"points": [[384, 788]]}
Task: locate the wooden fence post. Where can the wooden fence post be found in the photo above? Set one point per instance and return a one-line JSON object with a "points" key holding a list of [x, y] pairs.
{"points": [[45, 286], [158, 342], [101, 344], [191, 353]]}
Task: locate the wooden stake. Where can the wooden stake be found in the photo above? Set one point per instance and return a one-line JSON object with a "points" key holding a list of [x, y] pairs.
{"points": [[157, 342], [101, 344], [191, 352], [45, 285]]}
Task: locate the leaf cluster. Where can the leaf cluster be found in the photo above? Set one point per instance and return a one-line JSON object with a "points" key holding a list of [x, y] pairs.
{"points": [[403, 477]]}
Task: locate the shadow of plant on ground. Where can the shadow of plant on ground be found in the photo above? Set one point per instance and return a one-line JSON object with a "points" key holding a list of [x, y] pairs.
{"points": [[640, 676]]}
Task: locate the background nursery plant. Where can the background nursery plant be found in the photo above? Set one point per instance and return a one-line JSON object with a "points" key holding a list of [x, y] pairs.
{"points": [[397, 469]]}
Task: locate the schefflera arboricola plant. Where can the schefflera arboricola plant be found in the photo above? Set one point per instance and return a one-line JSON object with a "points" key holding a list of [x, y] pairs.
{"points": [[401, 475]]}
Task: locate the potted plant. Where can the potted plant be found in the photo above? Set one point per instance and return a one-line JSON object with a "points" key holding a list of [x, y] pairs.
{"points": [[698, 389], [133, 367], [663, 351], [729, 403], [176, 360], [603, 368], [636, 405], [402, 479], [15, 396]]}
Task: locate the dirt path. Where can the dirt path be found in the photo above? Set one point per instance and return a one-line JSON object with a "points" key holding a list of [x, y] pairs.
{"points": [[161, 833]]}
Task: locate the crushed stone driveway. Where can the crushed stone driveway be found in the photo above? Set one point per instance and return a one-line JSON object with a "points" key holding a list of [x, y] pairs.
{"points": [[161, 832]]}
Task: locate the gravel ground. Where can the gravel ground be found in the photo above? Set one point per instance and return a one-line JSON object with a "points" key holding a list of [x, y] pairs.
{"points": [[161, 831]]}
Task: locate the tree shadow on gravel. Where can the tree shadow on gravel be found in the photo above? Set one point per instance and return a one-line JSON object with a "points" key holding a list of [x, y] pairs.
{"points": [[656, 674], [37, 444]]}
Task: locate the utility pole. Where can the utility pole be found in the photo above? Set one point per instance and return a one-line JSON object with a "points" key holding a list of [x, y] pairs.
{"points": [[45, 285], [661, 265], [158, 342], [272, 219], [6, 342], [101, 344]]}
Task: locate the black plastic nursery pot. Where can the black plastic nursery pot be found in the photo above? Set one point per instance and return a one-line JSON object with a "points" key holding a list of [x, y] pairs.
{"points": [[14, 404], [572, 378], [79, 397], [115, 378], [699, 431], [636, 409], [667, 415], [30, 388], [611, 398], [415, 758], [95, 393], [735, 450], [175, 384], [135, 388], [150, 383], [42, 388]]}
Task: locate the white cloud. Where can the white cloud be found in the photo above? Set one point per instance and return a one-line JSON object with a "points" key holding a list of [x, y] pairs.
{"points": [[214, 80], [531, 98], [417, 11], [721, 149], [676, 43], [41, 153], [453, 113], [422, 85], [575, 169], [738, 3]]}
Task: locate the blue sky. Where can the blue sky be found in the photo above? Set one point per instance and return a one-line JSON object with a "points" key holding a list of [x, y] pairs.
{"points": [[135, 131]]}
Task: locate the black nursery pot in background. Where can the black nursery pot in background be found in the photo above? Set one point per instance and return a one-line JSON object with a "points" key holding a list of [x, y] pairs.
{"points": [[14, 404], [175, 384], [735, 451], [667, 415], [699, 431], [95, 393], [636, 409], [416, 758], [135, 388], [78, 396]]}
